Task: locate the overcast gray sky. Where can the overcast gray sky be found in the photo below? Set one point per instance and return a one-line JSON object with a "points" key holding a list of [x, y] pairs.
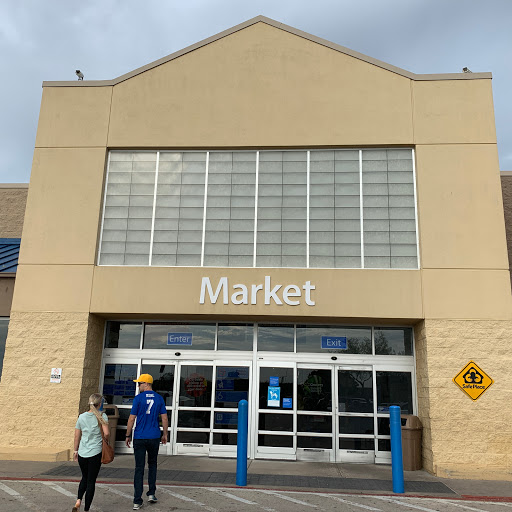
{"points": [[48, 40]]}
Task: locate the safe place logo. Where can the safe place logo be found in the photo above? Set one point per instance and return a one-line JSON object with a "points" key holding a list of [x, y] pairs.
{"points": [[473, 380]]}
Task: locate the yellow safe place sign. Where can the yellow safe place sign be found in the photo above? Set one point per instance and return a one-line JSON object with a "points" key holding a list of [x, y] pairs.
{"points": [[473, 380]]}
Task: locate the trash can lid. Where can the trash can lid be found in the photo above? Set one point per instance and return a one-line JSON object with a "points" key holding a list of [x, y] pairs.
{"points": [[409, 421], [111, 410]]}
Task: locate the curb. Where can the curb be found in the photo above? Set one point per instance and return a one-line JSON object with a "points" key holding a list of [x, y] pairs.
{"points": [[463, 497]]}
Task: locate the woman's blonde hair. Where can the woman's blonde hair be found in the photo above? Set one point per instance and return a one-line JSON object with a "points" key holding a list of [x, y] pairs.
{"points": [[94, 402]]}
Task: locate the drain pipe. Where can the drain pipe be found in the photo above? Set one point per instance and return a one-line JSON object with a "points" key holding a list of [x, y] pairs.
{"points": [[397, 465]]}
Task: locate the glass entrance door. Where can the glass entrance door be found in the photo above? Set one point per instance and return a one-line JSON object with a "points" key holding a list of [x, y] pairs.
{"points": [[193, 408], [202, 404], [315, 422], [276, 421], [334, 413], [355, 417]]}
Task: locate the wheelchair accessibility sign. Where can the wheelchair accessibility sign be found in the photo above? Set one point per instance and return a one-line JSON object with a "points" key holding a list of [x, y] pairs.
{"points": [[473, 380]]}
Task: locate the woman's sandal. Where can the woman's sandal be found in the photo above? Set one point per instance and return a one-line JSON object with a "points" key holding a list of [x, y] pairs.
{"points": [[76, 508]]}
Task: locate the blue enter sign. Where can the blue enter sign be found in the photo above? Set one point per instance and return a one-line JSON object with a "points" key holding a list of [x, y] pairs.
{"points": [[179, 338], [338, 342]]}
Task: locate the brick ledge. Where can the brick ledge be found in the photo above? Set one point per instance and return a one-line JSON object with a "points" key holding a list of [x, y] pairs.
{"points": [[34, 454]]}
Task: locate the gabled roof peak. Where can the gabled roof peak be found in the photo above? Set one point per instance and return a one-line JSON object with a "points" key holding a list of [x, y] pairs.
{"points": [[281, 26]]}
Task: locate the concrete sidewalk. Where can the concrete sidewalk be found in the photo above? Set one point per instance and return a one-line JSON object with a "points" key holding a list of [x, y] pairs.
{"points": [[270, 474]]}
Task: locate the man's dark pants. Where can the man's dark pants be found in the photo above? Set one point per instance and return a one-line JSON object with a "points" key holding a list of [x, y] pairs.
{"points": [[140, 447]]}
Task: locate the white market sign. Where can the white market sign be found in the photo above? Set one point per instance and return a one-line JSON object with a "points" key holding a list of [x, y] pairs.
{"points": [[290, 294]]}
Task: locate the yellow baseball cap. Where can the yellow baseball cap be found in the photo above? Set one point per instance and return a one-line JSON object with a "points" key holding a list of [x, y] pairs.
{"points": [[145, 377]]}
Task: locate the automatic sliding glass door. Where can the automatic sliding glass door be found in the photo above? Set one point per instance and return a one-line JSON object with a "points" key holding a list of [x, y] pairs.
{"points": [[232, 384], [194, 408], [315, 422], [207, 407], [275, 416], [355, 438]]}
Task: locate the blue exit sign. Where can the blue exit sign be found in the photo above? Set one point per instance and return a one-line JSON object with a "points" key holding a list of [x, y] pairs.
{"points": [[337, 342], [179, 338]]}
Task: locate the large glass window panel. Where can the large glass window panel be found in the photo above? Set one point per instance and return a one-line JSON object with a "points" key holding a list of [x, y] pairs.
{"points": [[229, 235], [128, 208], [235, 337], [388, 197], [355, 391], [118, 385], [282, 185], [195, 386], [314, 391], [179, 336], [276, 338], [358, 339], [123, 334], [179, 209], [394, 388], [393, 341], [335, 210], [163, 380], [321, 209]]}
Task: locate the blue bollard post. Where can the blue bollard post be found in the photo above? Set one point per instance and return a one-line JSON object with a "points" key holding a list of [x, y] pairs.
{"points": [[397, 465], [241, 444]]}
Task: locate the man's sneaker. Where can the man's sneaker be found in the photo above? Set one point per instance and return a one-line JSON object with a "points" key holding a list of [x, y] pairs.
{"points": [[152, 498], [136, 506]]}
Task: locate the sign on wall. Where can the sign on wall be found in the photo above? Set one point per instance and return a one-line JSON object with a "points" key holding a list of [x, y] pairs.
{"points": [[56, 375], [473, 380], [179, 338], [338, 342], [268, 292]]}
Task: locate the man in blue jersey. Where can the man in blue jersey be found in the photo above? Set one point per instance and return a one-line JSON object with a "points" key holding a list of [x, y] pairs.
{"points": [[147, 407]]}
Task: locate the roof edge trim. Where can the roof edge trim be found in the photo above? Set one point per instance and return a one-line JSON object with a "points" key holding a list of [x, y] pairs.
{"points": [[282, 26], [13, 185]]}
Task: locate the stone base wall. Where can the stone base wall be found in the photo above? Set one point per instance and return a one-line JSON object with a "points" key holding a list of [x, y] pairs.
{"points": [[34, 412], [465, 438], [12, 212]]}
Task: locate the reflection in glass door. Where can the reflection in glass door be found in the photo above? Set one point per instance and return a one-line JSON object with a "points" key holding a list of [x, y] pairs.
{"points": [[275, 416], [231, 386], [207, 407], [355, 415], [194, 408], [314, 414]]}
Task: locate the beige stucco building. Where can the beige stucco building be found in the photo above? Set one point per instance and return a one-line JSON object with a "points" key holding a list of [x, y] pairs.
{"points": [[267, 212]]}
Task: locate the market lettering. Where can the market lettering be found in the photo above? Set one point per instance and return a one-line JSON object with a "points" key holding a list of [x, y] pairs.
{"points": [[290, 294]]}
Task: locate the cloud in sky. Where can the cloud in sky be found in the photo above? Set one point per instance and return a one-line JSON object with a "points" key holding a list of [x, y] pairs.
{"points": [[107, 38]]}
